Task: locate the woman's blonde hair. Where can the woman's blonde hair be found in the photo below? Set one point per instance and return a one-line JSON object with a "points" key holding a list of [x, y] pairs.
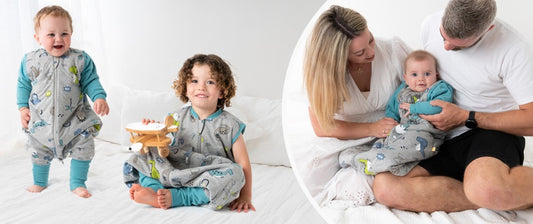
{"points": [[326, 59]]}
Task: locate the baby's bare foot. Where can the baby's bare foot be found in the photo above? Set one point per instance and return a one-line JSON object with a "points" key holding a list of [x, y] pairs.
{"points": [[35, 188], [144, 195], [164, 198], [82, 192]]}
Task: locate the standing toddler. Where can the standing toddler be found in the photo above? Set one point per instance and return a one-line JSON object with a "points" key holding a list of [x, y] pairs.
{"points": [[52, 90]]}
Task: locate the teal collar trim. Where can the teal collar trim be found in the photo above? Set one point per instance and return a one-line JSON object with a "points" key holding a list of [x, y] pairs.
{"points": [[211, 117]]}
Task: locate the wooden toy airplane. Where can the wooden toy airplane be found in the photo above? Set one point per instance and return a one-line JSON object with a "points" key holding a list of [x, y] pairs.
{"points": [[151, 135]]}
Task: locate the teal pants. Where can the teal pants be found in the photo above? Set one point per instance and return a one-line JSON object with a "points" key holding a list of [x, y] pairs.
{"points": [[183, 196], [78, 174]]}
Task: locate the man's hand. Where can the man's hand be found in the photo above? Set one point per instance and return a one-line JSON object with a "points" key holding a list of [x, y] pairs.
{"points": [[451, 115]]}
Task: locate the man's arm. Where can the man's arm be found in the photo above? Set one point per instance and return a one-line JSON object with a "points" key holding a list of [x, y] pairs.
{"points": [[517, 122]]}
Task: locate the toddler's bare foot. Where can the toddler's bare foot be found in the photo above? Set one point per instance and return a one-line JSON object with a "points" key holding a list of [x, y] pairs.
{"points": [[144, 195], [35, 188], [134, 187], [82, 192], [164, 198]]}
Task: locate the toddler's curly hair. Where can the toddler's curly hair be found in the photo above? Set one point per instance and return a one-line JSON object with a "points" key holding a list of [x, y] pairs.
{"points": [[220, 71]]}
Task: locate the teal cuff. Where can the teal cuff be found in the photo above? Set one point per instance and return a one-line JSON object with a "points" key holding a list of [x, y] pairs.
{"points": [[183, 196], [40, 174], [188, 196], [146, 181], [78, 173]]}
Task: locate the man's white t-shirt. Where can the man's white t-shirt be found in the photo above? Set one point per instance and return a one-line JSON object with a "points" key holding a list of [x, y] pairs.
{"points": [[494, 75]]}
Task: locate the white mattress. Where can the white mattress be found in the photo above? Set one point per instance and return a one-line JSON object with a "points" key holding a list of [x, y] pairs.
{"points": [[276, 195]]}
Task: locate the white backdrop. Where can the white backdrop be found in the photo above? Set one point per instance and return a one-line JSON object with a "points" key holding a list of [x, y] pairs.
{"points": [[142, 43]]}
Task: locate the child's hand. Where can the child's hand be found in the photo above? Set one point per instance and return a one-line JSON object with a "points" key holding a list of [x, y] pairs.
{"points": [[146, 121], [242, 203], [25, 116], [100, 107], [406, 106]]}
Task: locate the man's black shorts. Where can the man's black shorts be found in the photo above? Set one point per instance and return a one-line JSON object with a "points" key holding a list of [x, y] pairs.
{"points": [[456, 153]]}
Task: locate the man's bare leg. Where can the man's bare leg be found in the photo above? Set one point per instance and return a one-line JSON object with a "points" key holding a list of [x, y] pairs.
{"points": [[420, 192], [491, 184]]}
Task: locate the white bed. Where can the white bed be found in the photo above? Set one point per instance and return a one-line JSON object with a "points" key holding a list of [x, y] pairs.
{"points": [[276, 194], [315, 159]]}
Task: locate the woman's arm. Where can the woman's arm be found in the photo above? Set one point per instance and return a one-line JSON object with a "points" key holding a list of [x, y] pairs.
{"points": [[351, 130], [244, 202]]}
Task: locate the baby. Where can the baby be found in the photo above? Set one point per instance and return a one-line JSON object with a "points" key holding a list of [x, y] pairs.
{"points": [[51, 95], [414, 139]]}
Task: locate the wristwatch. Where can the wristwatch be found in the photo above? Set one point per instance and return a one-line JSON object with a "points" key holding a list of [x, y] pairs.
{"points": [[471, 121]]}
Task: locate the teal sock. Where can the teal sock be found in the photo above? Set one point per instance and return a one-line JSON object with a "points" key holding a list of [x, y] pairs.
{"points": [[146, 181], [188, 196], [78, 173], [40, 174]]}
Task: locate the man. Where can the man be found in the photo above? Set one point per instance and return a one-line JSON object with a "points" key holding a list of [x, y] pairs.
{"points": [[490, 67]]}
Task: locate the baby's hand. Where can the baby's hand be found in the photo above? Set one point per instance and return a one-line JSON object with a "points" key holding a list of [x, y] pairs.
{"points": [[100, 107], [25, 116], [406, 106]]}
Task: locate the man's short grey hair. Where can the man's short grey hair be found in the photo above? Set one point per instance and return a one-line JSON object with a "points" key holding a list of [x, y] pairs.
{"points": [[468, 18]]}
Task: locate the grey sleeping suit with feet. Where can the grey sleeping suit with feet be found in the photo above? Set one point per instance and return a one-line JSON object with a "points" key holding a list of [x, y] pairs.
{"points": [[200, 156], [413, 140]]}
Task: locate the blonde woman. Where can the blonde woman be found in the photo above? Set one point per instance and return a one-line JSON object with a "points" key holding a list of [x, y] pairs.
{"points": [[349, 77]]}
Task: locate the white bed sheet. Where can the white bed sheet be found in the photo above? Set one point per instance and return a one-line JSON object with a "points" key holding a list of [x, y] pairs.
{"points": [[276, 194]]}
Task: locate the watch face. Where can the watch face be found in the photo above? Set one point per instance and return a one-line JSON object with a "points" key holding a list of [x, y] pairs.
{"points": [[471, 124], [471, 121]]}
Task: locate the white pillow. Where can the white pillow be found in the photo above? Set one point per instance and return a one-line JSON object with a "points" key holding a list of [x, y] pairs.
{"points": [[111, 128], [263, 134], [139, 104]]}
